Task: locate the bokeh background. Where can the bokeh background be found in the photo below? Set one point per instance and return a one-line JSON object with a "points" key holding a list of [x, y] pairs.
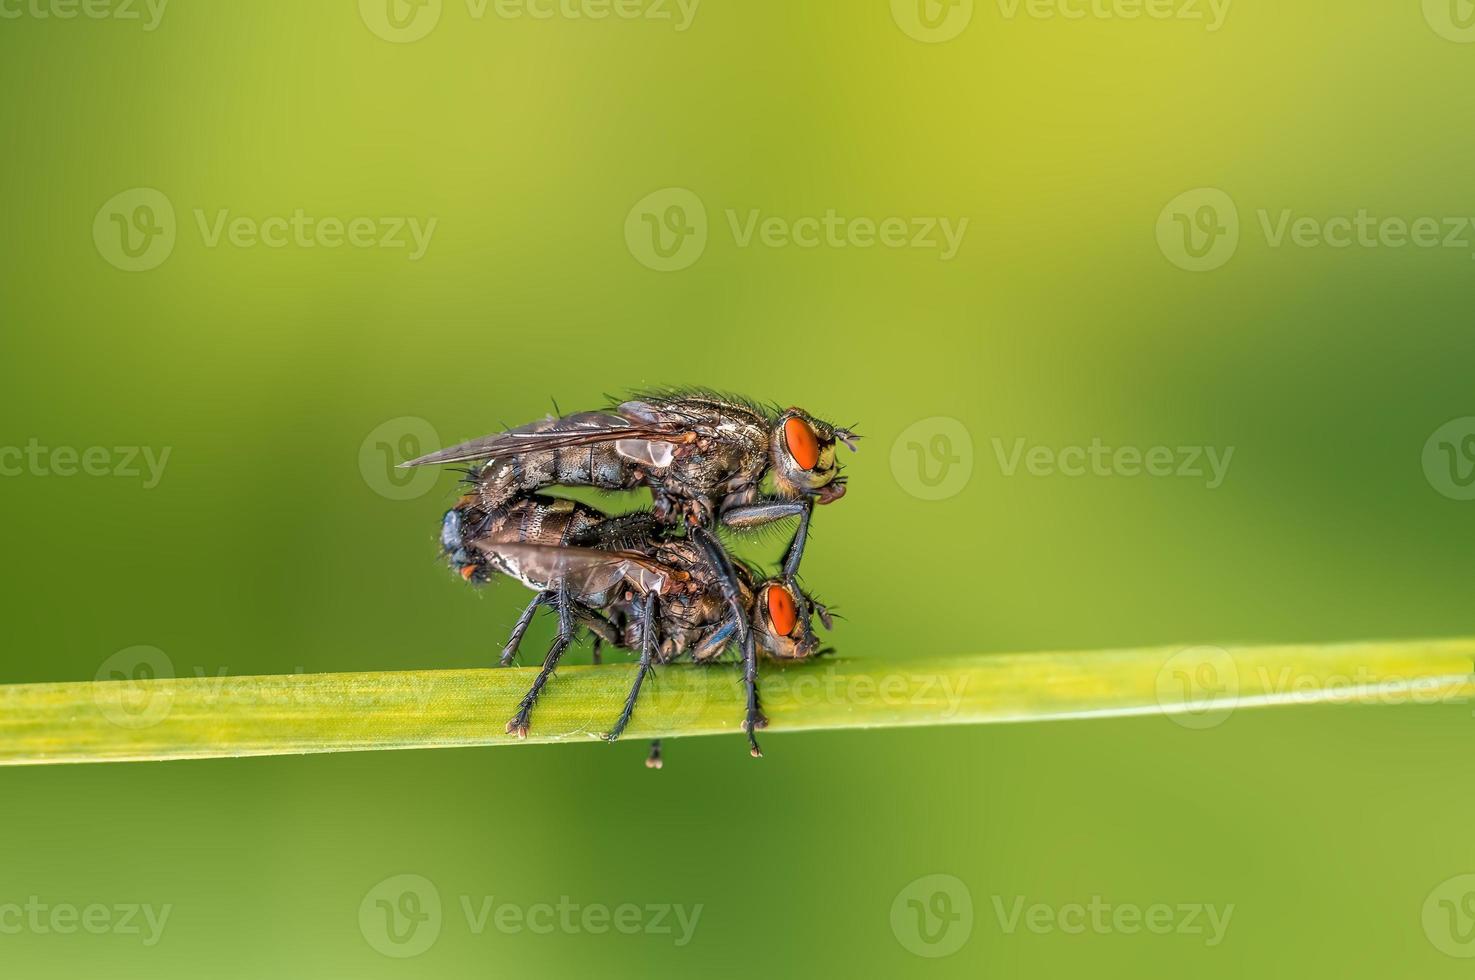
{"points": [[281, 380]]}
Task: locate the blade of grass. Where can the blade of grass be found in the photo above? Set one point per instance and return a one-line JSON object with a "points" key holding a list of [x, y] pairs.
{"points": [[177, 718]]}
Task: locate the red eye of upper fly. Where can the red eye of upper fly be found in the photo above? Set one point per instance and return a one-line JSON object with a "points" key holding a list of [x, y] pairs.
{"points": [[803, 446], [781, 610]]}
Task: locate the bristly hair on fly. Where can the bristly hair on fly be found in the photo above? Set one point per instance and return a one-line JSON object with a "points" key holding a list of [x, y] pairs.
{"points": [[768, 410]]}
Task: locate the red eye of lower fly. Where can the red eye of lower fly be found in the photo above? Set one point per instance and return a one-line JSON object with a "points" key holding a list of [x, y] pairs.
{"points": [[781, 610], [803, 446]]}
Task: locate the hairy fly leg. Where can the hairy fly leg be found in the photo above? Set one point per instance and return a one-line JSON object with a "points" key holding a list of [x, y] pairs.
{"points": [[796, 546], [731, 591], [754, 718], [727, 580], [519, 724], [604, 631], [749, 515], [509, 652], [647, 651]]}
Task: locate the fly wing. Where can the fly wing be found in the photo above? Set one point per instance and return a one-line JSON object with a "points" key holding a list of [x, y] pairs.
{"points": [[699, 416], [583, 571], [643, 441]]}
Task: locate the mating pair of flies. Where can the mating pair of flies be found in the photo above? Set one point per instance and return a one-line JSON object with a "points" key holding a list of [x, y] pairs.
{"points": [[657, 582]]}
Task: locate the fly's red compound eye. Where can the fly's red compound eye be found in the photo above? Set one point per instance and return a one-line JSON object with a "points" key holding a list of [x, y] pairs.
{"points": [[781, 610], [803, 446]]}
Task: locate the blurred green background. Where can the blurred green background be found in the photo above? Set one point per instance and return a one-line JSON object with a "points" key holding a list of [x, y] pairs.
{"points": [[281, 380]]}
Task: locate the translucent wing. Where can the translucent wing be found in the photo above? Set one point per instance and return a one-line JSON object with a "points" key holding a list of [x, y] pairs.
{"points": [[588, 573], [641, 440]]}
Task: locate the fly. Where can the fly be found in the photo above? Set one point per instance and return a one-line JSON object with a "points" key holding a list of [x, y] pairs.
{"points": [[704, 457], [635, 585]]}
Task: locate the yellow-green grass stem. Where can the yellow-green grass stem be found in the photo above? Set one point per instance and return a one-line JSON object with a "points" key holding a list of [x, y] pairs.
{"points": [[208, 717]]}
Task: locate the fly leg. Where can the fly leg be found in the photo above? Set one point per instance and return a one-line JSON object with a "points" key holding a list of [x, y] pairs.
{"points": [[604, 631], [653, 761], [796, 546], [727, 580], [509, 652], [743, 517], [712, 644], [519, 724], [647, 651], [754, 718]]}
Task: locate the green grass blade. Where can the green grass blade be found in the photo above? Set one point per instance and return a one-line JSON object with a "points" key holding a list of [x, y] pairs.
{"points": [[236, 716]]}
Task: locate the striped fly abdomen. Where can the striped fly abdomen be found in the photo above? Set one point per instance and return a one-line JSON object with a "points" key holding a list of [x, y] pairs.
{"points": [[600, 465]]}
